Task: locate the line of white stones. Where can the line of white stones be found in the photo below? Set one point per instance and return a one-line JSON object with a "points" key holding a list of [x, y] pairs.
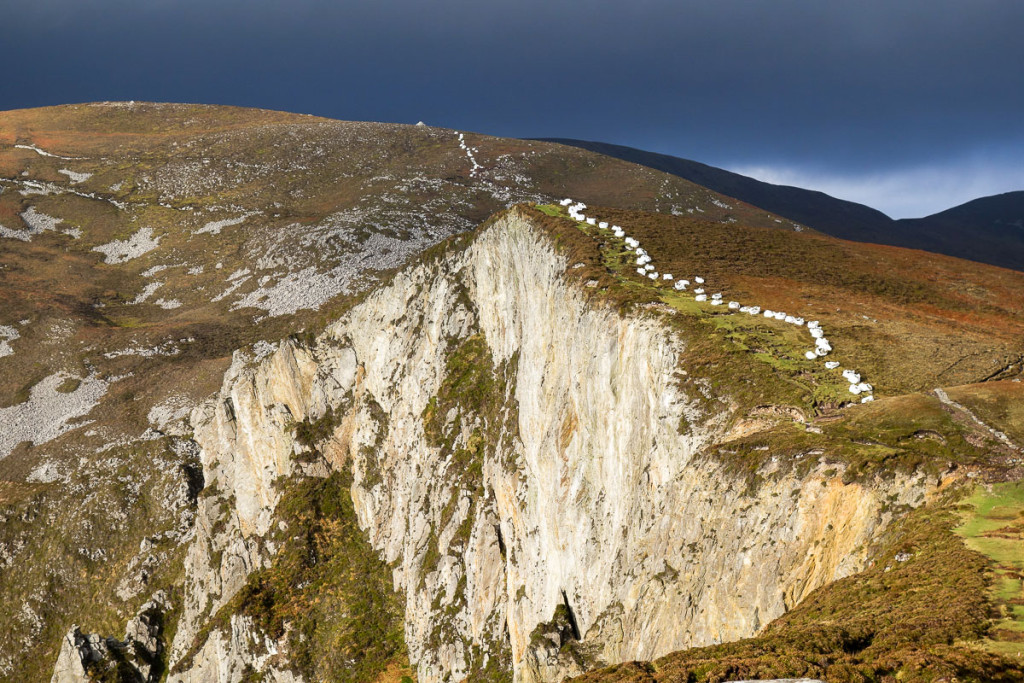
{"points": [[469, 152], [645, 268]]}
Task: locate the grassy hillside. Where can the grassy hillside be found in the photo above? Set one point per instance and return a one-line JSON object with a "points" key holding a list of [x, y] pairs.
{"points": [[988, 229]]}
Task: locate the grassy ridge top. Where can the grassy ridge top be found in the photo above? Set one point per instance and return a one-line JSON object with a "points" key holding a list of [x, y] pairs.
{"points": [[787, 405], [908, 320]]}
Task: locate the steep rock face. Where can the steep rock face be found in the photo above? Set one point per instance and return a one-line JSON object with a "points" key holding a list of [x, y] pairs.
{"points": [[247, 444], [520, 458]]}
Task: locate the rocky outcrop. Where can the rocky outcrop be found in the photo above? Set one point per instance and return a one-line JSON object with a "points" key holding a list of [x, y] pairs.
{"points": [[244, 448], [529, 464], [78, 651], [236, 654], [85, 658]]}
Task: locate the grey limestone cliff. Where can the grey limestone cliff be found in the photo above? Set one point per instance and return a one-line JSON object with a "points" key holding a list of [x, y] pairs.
{"points": [[531, 467]]}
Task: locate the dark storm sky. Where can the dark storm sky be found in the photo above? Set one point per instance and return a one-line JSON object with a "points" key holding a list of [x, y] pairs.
{"points": [[909, 106]]}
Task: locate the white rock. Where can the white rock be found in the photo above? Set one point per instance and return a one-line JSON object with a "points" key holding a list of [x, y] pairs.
{"points": [[74, 176], [214, 227], [120, 251], [7, 335], [49, 412]]}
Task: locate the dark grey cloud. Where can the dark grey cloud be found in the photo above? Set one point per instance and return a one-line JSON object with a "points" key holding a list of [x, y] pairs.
{"points": [[844, 88]]}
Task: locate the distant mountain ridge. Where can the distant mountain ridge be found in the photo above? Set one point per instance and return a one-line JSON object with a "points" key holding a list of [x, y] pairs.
{"points": [[987, 229]]}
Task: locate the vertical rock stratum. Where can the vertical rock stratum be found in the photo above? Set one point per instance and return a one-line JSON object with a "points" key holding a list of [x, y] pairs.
{"points": [[531, 464]]}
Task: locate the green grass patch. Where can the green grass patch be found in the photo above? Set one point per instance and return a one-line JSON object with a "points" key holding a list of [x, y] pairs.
{"points": [[993, 525], [69, 385], [550, 210]]}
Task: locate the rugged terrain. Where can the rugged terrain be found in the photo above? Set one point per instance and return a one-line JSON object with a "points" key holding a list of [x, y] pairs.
{"points": [[389, 438], [141, 244]]}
